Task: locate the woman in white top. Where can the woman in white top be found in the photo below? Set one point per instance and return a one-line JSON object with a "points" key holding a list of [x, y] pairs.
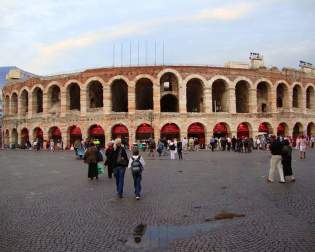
{"points": [[136, 164]]}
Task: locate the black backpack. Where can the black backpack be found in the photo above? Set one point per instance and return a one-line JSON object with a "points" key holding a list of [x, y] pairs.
{"points": [[136, 166]]}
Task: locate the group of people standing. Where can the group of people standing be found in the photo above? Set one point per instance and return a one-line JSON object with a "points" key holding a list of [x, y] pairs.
{"points": [[117, 161]]}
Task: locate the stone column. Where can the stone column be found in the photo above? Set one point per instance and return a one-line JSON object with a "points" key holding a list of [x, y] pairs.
{"points": [[45, 104], [252, 100], [273, 102], [63, 102], [156, 97], [107, 100], [232, 101], [65, 137], [303, 109], [30, 106], [182, 101], [207, 100], [83, 102], [131, 97]]}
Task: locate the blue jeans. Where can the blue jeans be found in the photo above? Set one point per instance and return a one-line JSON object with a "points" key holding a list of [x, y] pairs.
{"points": [[119, 173], [137, 184]]}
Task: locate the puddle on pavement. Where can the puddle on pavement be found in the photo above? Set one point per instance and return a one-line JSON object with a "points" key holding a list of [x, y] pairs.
{"points": [[150, 237]]}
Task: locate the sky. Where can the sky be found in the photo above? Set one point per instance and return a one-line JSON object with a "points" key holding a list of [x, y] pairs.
{"points": [[55, 36]]}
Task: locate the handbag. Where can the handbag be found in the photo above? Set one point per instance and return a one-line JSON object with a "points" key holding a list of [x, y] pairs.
{"points": [[120, 159], [100, 168]]}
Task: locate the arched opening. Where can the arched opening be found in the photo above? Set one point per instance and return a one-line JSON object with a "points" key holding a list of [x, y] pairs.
{"points": [[38, 135], [243, 130], [54, 135], [197, 130], [169, 83], [311, 129], [7, 138], [73, 97], [263, 94], [297, 97], [7, 105], [54, 99], [194, 96], [242, 97], [282, 96], [96, 132], [119, 90], [265, 128], [310, 98], [144, 94], [121, 131], [220, 96], [170, 131], [24, 103], [144, 132], [14, 104], [75, 134], [221, 130], [14, 137], [282, 130], [169, 103], [95, 94], [37, 100], [298, 130], [25, 137]]}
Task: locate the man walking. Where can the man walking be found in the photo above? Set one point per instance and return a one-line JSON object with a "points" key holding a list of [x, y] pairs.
{"points": [[276, 160]]}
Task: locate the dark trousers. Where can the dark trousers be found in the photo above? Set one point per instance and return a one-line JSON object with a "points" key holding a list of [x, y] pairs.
{"points": [[137, 183], [110, 171], [119, 173], [93, 172], [180, 154]]}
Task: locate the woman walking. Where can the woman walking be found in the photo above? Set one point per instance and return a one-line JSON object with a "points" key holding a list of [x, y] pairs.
{"points": [[110, 159], [92, 157], [136, 164], [302, 147], [286, 154]]}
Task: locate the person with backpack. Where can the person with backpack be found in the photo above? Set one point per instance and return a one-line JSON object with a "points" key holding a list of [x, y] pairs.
{"points": [[136, 165]]}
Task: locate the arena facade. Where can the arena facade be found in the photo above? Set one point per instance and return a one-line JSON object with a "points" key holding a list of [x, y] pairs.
{"points": [[137, 103]]}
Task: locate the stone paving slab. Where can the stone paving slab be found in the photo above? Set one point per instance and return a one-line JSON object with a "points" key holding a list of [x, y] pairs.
{"points": [[48, 204]]}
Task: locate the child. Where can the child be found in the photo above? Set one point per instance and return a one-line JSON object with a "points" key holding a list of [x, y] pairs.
{"points": [[136, 164]]}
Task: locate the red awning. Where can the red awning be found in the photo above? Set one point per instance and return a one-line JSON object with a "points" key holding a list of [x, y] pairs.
{"points": [[196, 128], [96, 131], [170, 128], [75, 131], [56, 132], [38, 132], [242, 128], [145, 129], [263, 128], [120, 129], [220, 128], [281, 128]]}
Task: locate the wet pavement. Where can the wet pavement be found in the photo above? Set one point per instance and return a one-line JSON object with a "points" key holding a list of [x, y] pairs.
{"points": [[207, 202]]}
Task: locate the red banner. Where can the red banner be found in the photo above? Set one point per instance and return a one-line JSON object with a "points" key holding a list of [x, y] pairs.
{"points": [[170, 128], [75, 131], [196, 128], [145, 129], [120, 129]]}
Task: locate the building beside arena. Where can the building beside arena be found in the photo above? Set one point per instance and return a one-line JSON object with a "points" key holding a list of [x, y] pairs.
{"points": [[137, 103]]}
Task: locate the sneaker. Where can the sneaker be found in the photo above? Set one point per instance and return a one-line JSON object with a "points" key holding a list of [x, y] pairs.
{"points": [[137, 197]]}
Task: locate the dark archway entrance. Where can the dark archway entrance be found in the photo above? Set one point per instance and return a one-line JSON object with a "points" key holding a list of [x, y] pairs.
{"points": [[24, 103], [242, 97], [298, 130], [194, 96], [243, 130], [169, 103], [220, 96], [170, 131], [144, 94], [75, 134], [221, 130], [265, 128], [37, 100], [197, 130], [96, 132], [73, 97], [24, 137], [144, 132], [119, 90], [282, 129], [311, 129], [121, 131], [263, 93], [95, 94], [282, 96]]}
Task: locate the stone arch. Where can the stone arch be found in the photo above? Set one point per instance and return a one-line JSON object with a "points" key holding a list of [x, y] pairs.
{"points": [[311, 129], [14, 103], [95, 94], [263, 92], [120, 131], [54, 134], [221, 129], [242, 78], [195, 95], [283, 129], [37, 94], [96, 131], [14, 137], [144, 76], [242, 96], [144, 94], [220, 96], [169, 103], [265, 127], [282, 95], [7, 105], [298, 130], [24, 137], [221, 77], [119, 95], [197, 130], [73, 94], [74, 134], [38, 134], [169, 70], [24, 102], [144, 132], [310, 97], [54, 99], [244, 129], [297, 95], [170, 131]]}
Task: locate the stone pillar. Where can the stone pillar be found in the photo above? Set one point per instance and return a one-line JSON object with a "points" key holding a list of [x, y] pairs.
{"points": [[131, 97], [156, 97], [232, 101], [45, 104], [303, 108], [63, 102], [83, 102], [65, 137], [207, 100], [30, 106], [273, 102], [182, 101], [107, 100], [252, 100]]}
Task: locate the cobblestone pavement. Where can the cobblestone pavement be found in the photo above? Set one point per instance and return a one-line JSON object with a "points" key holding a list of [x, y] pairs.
{"points": [[48, 204]]}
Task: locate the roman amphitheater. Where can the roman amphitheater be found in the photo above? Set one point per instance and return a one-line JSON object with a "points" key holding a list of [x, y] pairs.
{"points": [[137, 103]]}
